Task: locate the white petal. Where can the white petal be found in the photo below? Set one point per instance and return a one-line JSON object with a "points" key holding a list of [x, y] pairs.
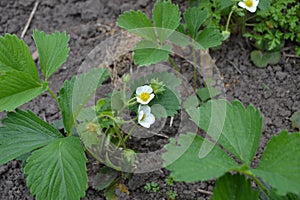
{"points": [[251, 9], [141, 114], [150, 119], [145, 88], [242, 4], [145, 109], [144, 124]]}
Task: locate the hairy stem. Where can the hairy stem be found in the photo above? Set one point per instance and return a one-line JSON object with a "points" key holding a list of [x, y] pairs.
{"points": [[53, 94]]}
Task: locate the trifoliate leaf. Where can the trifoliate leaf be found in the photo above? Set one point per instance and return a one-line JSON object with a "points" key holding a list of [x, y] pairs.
{"points": [[53, 50], [235, 127], [147, 53], [23, 132], [208, 38], [15, 55], [17, 88], [280, 163], [166, 18], [76, 93], [188, 166], [138, 23], [58, 170], [234, 187], [194, 18]]}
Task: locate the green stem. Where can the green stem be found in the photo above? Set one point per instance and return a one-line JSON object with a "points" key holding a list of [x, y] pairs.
{"points": [[174, 65], [195, 69], [121, 141], [53, 94], [256, 180], [228, 20], [130, 133]]}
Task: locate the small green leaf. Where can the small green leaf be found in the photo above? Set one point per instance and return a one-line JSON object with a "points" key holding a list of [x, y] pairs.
{"points": [[53, 50], [264, 4], [208, 93], [296, 120], [138, 23], [263, 59], [104, 178], [222, 4], [147, 53], [280, 163], [76, 93], [17, 88], [166, 18], [188, 166], [235, 127], [234, 187], [58, 170], [194, 18], [209, 37], [23, 132], [15, 55], [65, 104]]}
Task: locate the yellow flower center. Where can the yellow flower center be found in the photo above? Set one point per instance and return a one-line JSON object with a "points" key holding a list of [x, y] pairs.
{"points": [[145, 96], [249, 3]]}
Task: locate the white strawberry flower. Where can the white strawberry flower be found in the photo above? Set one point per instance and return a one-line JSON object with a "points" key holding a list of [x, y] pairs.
{"points": [[144, 94], [145, 117], [249, 5]]}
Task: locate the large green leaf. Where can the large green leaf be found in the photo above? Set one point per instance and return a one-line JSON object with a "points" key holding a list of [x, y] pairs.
{"points": [[17, 88], [137, 23], [15, 55], [235, 127], [194, 18], [23, 132], [234, 187], [76, 93], [188, 166], [53, 50], [58, 170], [166, 18], [147, 53], [208, 38], [280, 163]]}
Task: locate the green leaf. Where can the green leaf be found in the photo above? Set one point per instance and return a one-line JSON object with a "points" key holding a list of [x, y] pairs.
{"points": [[234, 187], [264, 4], [188, 166], [104, 178], [147, 53], [263, 59], [138, 23], [274, 196], [65, 104], [17, 88], [53, 50], [222, 4], [58, 170], [76, 93], [235, 127], [23, 132], [194, 18], [209, 37], [166, 18], [15, 55], [295, 119], [280, 163], [208, 93]]}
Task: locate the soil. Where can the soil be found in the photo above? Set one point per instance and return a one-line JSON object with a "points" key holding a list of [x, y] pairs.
{"points": [[275, 89]]}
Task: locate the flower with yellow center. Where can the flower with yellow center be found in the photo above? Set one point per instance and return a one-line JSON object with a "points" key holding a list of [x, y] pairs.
{"points": [[145, 117], [144, 94], [249, 5]]}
